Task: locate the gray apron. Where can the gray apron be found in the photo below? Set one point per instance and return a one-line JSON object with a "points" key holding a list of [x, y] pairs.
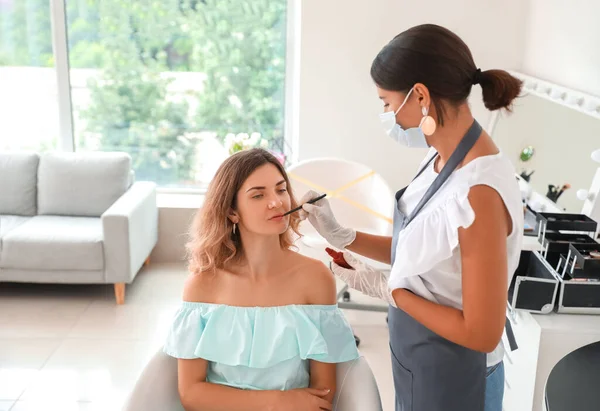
{"points": [[430, 372]]}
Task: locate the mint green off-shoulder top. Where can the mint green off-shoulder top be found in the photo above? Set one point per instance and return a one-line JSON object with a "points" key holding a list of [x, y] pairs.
{"points": [[260, 348]]}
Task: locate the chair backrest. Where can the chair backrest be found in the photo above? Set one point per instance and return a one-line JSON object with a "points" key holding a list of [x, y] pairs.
{"points": [[359, 197], [356, 387], [156, 388]]}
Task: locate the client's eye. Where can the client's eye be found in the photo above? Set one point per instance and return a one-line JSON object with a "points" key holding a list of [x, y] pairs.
{"points": [[257, 196], [282, 190]]}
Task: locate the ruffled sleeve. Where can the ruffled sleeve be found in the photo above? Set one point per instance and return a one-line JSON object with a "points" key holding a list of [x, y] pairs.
{"points": [[431, 237], [260, 337]]}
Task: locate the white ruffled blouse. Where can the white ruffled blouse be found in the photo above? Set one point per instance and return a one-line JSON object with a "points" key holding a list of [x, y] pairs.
{"points": [[428, 253]]}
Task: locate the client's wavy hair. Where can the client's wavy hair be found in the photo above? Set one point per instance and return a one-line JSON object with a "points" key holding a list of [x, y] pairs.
{"points": [[212, 242]]}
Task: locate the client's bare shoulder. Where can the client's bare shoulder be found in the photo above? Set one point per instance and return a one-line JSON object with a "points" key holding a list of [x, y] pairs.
{"points": [[199, 288], [314, 280]]}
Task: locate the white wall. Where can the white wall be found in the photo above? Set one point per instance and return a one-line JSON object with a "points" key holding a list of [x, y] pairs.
{"points": [[563, 43], [338, 104]]}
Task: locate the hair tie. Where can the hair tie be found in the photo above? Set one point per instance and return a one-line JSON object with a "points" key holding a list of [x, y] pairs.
{"points": [[477, 77]]}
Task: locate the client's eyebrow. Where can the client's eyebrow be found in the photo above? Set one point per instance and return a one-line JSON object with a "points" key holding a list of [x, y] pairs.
{"points": [[263, 187]]}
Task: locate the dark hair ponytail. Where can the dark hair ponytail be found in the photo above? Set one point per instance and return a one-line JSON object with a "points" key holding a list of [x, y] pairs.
{"points": [[499, 89], [439, 59]]}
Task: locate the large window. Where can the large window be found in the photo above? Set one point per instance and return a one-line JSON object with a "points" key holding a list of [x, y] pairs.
{"points": [[165, 80], [28, 90]]}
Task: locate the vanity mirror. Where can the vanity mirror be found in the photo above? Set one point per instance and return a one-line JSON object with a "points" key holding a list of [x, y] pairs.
{"points": [[550, 137]]}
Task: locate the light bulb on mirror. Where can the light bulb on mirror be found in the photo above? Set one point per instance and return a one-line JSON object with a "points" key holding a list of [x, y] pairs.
{"points": [[596, 156], [584, 195]]}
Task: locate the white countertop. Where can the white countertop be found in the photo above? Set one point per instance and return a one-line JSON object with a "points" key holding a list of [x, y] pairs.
{"points": [[579, 323]]}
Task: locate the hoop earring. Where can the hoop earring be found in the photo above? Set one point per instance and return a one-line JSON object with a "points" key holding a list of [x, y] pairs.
{"points": [[234, 227], [427, 123]]}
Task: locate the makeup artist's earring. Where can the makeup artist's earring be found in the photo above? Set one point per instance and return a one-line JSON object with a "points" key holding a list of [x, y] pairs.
{"points": [[234, 227], [428, 123]]}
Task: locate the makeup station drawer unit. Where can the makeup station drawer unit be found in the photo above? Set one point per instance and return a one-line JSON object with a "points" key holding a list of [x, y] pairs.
{"points": [[579, 278], [565, 275], [565, 222], [568, 245], [534, 287]]}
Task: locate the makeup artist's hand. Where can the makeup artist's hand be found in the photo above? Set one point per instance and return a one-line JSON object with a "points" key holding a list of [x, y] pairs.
{"points": [[322, 219], [364, 278]]}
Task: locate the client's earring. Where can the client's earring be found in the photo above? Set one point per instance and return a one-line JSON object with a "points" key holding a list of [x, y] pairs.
{"points": [[428, 123], [234, 227]]}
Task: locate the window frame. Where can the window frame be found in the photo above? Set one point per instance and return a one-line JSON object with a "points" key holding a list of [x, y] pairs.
{"points": [[65, 109]]}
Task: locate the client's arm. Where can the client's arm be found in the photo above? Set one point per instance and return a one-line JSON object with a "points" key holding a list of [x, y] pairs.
{"points": [[198, 395], [322, 291]]}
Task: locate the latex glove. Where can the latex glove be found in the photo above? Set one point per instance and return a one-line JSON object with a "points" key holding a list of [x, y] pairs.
{"points": [[364, 278], [322, 219]]}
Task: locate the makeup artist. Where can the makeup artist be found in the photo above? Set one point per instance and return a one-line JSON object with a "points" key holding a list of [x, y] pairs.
{"points": [[457, 227]]}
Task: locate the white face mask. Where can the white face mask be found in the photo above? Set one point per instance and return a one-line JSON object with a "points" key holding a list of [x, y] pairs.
{"points": [[412, 137]]}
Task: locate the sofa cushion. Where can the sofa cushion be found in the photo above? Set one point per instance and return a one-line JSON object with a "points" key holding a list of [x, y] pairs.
{"points": [[9, 223], [54, 243], [18, 183], [81, 184]]}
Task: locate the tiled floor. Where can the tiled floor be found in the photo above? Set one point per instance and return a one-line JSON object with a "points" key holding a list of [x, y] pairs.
{"points": [[71, 348]]}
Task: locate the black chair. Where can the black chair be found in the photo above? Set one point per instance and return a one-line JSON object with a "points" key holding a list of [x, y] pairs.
{"points": [[574, 382]]}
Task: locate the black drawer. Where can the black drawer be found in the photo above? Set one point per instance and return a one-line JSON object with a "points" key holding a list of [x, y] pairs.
{"points": [[555, 242], [566, 222]]}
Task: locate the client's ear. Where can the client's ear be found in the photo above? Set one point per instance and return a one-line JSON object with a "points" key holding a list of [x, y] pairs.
{"points": [[233, 216]]}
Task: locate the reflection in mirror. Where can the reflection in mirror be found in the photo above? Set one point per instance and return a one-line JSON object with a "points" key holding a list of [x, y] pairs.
{"points": [[551, 146]]}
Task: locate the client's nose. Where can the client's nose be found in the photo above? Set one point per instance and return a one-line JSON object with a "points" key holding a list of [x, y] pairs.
{"points": [[275, 203]]}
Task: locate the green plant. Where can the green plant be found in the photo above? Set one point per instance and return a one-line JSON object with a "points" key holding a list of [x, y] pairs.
{"points": [[130, 112], [135, 49]]}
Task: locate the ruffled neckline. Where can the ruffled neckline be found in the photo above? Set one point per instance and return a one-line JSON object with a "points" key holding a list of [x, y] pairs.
{"points": [[260, 337]]}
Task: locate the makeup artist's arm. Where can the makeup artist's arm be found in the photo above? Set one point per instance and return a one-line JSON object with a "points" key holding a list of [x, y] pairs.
{"points": [[479, 325], [375, 247], [322, 219]]}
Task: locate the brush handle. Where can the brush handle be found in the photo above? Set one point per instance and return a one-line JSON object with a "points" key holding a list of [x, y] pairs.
{"points": [[311, 201]]}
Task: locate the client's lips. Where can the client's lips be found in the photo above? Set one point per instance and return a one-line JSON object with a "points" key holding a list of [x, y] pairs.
{"points": [[276, 217]]}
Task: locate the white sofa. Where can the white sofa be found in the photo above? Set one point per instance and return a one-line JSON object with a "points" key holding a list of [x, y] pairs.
{"points": [[74, 218]]}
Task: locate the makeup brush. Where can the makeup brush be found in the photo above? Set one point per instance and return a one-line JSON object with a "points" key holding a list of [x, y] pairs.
{"points": [[562, 190], [312, 201]]}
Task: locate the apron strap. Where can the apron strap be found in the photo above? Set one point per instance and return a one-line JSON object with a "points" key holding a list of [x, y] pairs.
{"points": [[510, 335], [425, 166], [459, 154]]}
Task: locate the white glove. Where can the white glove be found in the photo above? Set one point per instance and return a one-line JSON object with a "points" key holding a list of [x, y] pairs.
{"points": [[322, 219], [364, 278]]}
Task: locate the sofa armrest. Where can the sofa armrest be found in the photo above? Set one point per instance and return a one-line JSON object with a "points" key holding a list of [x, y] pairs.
{"points": [[130, 228]]}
